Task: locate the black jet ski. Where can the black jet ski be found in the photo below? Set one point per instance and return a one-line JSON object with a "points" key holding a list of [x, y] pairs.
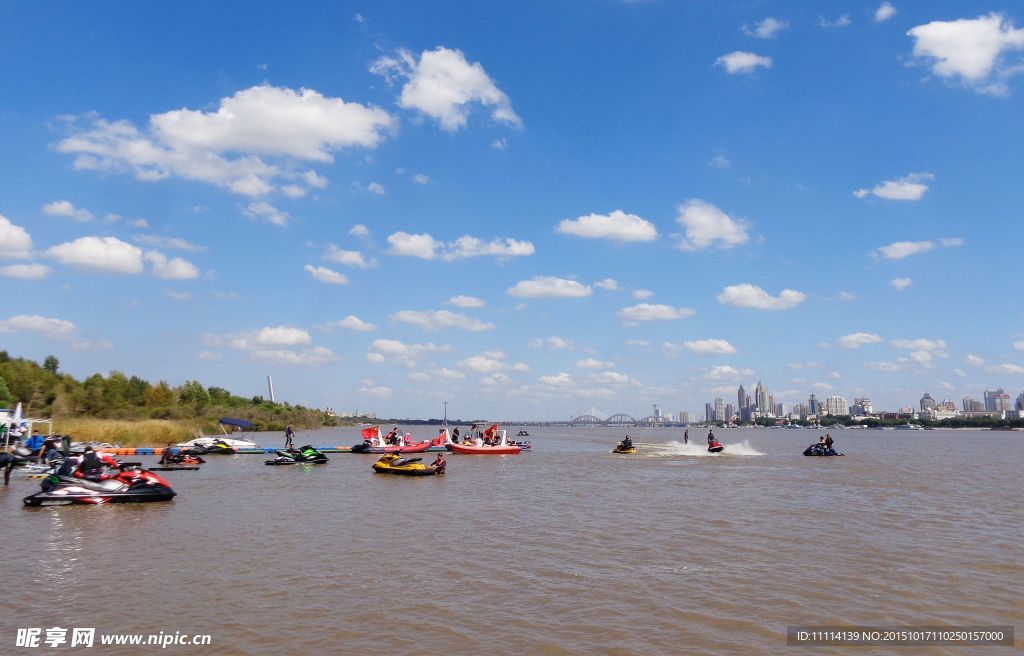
{"points": [[130, 485], [220, 447], [819, 449], [305, 455], [522, 433]]}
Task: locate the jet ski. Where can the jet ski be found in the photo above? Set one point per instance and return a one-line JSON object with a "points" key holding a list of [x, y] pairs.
{"points": [[619, 448], [714, 446], [305, 455], [219, 447], [390, 463], [182, 459], [522, 433], [819, 449], [131, 485]]}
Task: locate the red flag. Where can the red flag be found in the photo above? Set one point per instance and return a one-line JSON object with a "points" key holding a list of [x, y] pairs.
{"points": [[492, 431], [371, 432]]}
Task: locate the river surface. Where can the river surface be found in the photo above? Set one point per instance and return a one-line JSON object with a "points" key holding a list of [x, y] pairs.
{"points": [[564, 550]]}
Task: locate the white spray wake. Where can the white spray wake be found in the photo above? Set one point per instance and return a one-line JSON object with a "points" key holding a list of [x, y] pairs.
{"points": [[699, 449]]}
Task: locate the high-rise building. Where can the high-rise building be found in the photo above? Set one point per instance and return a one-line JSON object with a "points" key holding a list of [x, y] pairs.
{"points": [[764, 407], [813, 407], [864, 403], [720, 410], [949, 405], [971, 405], [687, 418], [780, 410], [741, 397], [730, 411], [997, 400], [1020, 401], [708, 412], [927, 402], [836, 405]]}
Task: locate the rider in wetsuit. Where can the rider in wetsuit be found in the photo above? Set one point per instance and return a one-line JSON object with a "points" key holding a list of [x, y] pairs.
{"points": [[91, 466]]}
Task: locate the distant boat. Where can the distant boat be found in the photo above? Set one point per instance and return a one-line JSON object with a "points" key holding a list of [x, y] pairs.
{"points": [[246, 432], [908, 426]]}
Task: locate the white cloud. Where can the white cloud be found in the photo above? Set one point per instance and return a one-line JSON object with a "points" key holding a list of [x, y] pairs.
{"points": [[437, 319], [173, 269], [67, 209], [15, 242], [426, 247], [1019, 345], [282, 336], [552, 343], [491, 362], [842, 21], [561, 380], [846, 296], [706, 225], [617, 226], [901, 283], [33, 323], [323, 274], [919, 344], [637, 342], [25, 271], [549, 287], [591, 363], [642, 294], [99, 254], [949, 242], [359, 230], [901, 249], [767, 28], [609, 284], [168, 242], [349, 258], [466, 247], [351, 322], [720, 161], [264, 211], [500, 143], [379, 391], [857, 340], [443, 85], [422, 246], [177, 295], [743, 62], [1006, 369], [884, 12], [726, 372], [376, 188], [404, 354], [420, 179], [709, 346], [142, 224], [652, 312], [751, 296], [971, 51], [464, 301], [314, 356], [229, 147], [610, 377], [909, 187], [974, 361]]}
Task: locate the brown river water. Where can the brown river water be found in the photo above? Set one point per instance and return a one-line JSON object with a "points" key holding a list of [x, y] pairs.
{"points": [[567, 549]]}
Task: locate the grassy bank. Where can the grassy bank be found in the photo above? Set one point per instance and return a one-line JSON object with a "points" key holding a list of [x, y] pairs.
{"points": [[143, 432]]}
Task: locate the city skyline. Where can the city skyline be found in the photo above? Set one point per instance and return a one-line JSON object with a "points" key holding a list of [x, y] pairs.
{"points": [[386, 207]]}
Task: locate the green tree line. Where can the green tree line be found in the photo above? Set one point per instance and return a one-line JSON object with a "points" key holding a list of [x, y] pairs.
{"points": [[45, 391]]}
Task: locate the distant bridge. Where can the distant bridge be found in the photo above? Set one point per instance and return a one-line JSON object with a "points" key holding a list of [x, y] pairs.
{"points": [[621, 419]]}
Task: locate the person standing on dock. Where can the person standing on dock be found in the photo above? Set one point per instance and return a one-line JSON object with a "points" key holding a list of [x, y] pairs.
{"points": [[289, 438]]}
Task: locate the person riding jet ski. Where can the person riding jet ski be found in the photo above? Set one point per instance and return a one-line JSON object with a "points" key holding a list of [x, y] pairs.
{"points": [[92, 464]]}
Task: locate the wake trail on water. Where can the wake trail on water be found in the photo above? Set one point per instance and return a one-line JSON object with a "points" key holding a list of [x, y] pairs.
{"points": [[700, 450]]}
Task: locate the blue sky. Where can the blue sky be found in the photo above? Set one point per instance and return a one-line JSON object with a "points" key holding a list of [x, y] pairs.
{"points": [[526, 209]]}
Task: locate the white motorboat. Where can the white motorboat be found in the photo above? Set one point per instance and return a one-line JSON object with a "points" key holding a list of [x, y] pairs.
{"points": [[242, 441]]}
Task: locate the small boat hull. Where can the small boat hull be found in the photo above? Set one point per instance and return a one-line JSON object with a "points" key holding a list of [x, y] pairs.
{"points": [[631, 450], [470, 449]]}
